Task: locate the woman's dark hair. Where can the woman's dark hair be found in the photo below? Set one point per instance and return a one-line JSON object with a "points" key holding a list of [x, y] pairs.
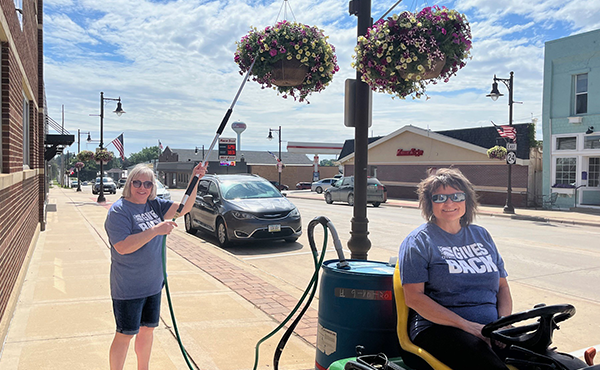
{"points": [[445, 177]]}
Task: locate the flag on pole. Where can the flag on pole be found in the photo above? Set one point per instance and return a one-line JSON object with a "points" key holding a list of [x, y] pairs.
{"points": [[160, 145], [120, 145], [274, 156], [506, 131]]}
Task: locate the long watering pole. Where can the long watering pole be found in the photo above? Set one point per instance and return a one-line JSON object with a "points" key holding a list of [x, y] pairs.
{"points": [[188, 192], [216, 138]]}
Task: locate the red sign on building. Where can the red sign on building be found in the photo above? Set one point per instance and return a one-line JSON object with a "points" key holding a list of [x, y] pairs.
{"points": [[412, 152]]}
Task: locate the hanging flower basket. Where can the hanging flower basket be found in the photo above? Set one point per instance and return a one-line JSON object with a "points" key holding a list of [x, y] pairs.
{"points": [[400, 55], [293, 57], [85, 155], [103, 156], [497, 152], [79, 165]]}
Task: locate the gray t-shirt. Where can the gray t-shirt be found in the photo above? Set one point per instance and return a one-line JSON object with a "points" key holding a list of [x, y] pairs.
{"points": [[138, 274], [461, 271]]}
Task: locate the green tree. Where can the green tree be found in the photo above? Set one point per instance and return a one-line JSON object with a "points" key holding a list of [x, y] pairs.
{"points": [[326, 162], [145, 155]]}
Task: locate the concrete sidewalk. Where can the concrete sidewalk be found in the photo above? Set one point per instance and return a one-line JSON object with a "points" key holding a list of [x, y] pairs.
{"points": [[63, 318]]}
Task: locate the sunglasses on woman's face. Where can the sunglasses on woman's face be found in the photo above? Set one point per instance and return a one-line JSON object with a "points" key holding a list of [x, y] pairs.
{"points": [[138, 183], [442, 198]]}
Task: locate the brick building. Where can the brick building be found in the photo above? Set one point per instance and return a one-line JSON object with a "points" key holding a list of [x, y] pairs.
{"points": [[22, 132], [401, 160]]}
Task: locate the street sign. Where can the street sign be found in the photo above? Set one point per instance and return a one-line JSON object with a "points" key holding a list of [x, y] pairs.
{"points": [[227, 152], [511, 158], [511, 147]]}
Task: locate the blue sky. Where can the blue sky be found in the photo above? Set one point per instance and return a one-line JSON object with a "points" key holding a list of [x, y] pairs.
{"points": [[172, 64]]}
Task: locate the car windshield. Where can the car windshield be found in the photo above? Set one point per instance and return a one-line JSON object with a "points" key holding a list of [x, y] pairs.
{"points": [[159, 185], [249, 190]]}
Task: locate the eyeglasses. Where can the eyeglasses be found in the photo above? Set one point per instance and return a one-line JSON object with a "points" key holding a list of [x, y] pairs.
{"points": [[442, 198], [138, 183]]}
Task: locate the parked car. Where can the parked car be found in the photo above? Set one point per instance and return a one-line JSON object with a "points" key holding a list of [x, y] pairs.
{"points": [[343, 191], [121, 182], [280, 187], [161, 191], [74, 183], [321, 185], [108, 185], [303, 185], [243, 207]]}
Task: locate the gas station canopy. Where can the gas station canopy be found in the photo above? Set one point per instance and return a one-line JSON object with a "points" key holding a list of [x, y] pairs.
{"points": [[314, 148]]}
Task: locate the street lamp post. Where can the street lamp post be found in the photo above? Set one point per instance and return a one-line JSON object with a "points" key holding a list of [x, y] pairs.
{"points": [[279, 162], [119, 111], [359, 243], [89, 139], [495, 94]]}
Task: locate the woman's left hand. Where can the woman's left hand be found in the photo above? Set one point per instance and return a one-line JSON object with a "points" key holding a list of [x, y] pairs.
{"points": [[200, 170]]}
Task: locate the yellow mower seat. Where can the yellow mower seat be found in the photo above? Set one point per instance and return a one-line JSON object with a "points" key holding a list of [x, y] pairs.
{"points": [[402, 327]]}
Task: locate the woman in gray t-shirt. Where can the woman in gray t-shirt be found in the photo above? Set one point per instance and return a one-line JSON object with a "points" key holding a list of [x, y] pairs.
{"points": [[453, 276]]}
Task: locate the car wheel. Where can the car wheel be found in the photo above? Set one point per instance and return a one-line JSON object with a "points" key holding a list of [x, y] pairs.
{"points": [[351, 199], [328, 199], [188, 224], [291, 240], [222, 234], [319, 190], [376, 204]]}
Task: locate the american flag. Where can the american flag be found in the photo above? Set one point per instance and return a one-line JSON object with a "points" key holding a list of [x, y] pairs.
{"points": [[508, 132], [160, 145], [120, 145]]}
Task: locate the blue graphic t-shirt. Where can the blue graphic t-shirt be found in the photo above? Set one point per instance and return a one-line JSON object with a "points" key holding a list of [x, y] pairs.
{"points": [[138, 274], [461, 271]]}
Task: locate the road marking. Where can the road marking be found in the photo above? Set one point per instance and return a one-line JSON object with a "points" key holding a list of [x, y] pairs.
{"points": [[579, 353], [289, 254]]}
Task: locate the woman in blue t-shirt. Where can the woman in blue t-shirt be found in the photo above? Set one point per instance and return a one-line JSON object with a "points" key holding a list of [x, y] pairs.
{"points": [[136, 224], [453, 276]]}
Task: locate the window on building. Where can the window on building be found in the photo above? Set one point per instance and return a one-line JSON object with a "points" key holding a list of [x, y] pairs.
{"points": [[591, 142], [581, 90], [566, 143], [594, 172], [19, 10], [566, 171], [26, 132]]}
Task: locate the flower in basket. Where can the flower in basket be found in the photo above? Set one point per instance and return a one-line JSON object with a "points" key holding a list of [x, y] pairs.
{"points": [[79, 165], [85, 155], [400, 55], [497, 152], [103, 155], [294, 57]]}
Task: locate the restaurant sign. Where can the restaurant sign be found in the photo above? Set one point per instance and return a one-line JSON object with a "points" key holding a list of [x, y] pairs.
{"points": [[412, 152]]}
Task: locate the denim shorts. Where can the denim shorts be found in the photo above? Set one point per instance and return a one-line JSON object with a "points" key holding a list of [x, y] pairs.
{"points": [[130, 314]]}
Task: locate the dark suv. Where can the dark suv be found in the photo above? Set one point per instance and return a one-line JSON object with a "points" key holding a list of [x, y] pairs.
{"points": [[243, 207], [109, 186]]}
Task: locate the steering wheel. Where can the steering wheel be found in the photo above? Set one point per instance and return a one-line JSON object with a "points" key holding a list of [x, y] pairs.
{"points": [[537, 336]]}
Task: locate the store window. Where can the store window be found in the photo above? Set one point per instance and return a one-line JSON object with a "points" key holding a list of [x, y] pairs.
{"points": [[566, 143], [594, 172], [566, 171], [581, 92], [591, 142]]}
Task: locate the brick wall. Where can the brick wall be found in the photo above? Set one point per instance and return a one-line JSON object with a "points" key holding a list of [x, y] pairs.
{"points": [[22, 192], [291, 175]]}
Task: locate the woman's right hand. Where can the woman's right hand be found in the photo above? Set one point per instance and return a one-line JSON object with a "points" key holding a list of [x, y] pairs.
{"points": [[475, 329], [164, 228]]}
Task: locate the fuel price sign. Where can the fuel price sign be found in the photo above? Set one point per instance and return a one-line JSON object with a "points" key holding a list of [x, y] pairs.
{"points": [[227, 149]]}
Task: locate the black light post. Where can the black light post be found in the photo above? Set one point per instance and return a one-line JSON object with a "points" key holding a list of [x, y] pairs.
{"points": [[280, 162], [196, 152], [359, 243], [89, 139], [119, 111], [495, 94]]}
